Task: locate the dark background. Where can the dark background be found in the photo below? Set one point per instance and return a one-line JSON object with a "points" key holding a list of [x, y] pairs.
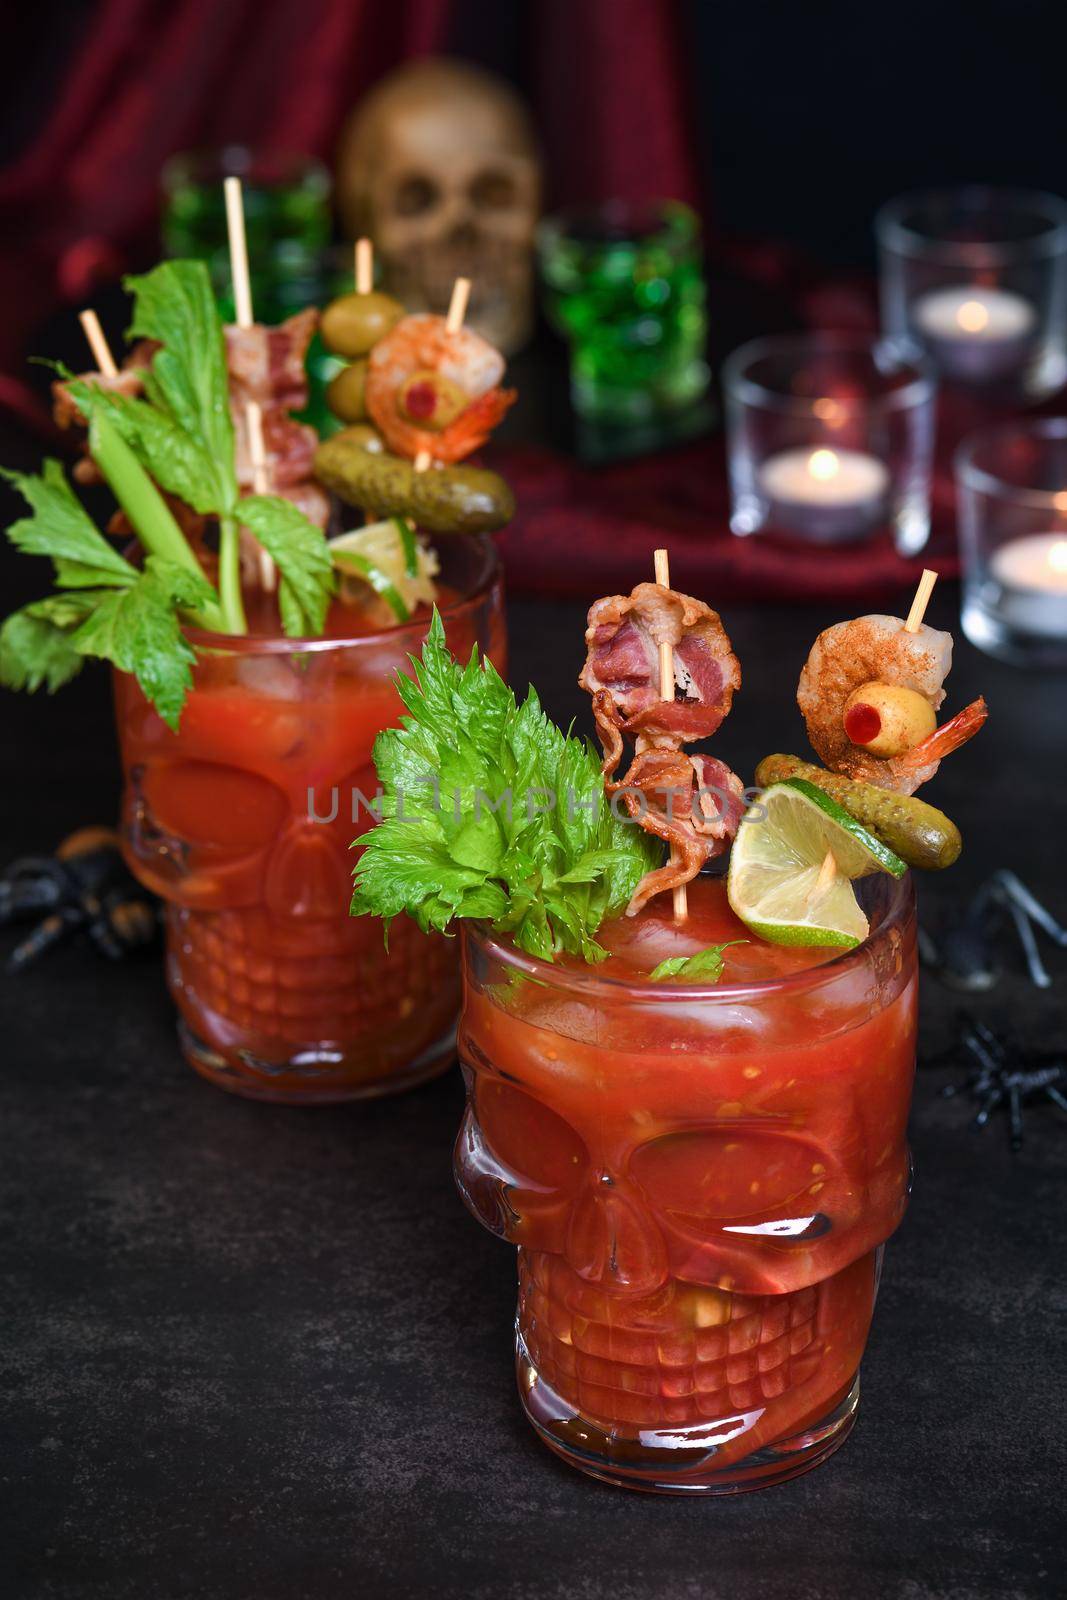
{"points": [[805, 118], [254, 1353]]}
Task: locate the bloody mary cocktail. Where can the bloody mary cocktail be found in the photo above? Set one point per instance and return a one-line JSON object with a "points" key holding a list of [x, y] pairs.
{"points": [[699, 1181], [243, 822]]}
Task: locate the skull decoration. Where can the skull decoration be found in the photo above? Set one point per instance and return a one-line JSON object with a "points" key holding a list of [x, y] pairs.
{"points": [[438, 165], [696, 1273]]}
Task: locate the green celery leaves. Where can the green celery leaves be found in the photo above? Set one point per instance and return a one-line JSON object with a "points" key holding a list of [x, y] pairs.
{"points": [[704, 966], [490, 811]]}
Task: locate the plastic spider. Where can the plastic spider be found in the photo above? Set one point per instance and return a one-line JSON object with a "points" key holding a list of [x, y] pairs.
{"points": [[85, 885], [965, 955], [998, 1079]]}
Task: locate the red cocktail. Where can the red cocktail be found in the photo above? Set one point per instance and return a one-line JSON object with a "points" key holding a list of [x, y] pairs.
{"points": [[699, 1181], [243, 821]]}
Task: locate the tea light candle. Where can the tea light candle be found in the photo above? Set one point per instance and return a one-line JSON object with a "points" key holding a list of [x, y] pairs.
{"points": [[826, 494], [1032, 574], [973, 333]]}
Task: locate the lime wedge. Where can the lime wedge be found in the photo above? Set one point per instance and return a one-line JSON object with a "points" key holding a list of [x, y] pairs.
{"points": [[387, 556], [792, 865]]}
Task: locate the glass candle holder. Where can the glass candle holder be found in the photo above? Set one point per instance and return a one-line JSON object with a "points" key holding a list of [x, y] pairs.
{"points": [[699, 1181], [1011, 485], [828, 440], [976, 279], [624, 285], [242, 822]]}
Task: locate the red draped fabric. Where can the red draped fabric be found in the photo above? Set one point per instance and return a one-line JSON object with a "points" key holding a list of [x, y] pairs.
{"points": [[156, 76]]}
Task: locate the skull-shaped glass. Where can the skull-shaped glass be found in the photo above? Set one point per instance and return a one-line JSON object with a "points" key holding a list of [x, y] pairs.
{"points": [[243, 821], [699, 1181]]}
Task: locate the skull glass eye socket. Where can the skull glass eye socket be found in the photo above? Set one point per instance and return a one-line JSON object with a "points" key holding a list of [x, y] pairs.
{"points": [[414, 195], [206, 804], [529, 1139], [729, 1175], [493, 190]]}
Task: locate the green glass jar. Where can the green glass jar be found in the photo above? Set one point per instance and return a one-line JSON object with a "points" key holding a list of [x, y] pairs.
{"points": [[625, 287]]}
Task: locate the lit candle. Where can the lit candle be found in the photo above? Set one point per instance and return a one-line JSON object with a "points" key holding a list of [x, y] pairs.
{"points": [[1032, 575], [976, 334], [826, 494]]}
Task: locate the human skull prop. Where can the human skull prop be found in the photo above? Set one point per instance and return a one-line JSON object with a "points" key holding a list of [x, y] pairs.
{"points": [[439, 167]]}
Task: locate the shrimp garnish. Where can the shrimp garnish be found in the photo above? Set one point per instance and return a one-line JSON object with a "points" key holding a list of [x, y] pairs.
{"points": [[948, 737], [869, 649], [402, 370]]}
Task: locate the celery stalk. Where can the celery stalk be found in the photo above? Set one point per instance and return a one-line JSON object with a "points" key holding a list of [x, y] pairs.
{"points": [[230, 575], [151, 518]]}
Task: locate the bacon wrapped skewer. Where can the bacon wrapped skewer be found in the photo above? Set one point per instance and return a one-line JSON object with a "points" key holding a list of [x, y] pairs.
{"points": [[693, 802], [265, 365]]}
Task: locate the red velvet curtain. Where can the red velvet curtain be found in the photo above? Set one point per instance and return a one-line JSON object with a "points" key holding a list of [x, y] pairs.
{"points": [[158, 76]]}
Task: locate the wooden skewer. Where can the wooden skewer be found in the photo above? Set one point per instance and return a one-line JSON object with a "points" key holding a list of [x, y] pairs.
{"points": [[105, 361], [666, 692], [921, 601], [364, 266], [242, 301], [257, 450], [827, 874], [457, 306], [235, 227], [457, 310]]}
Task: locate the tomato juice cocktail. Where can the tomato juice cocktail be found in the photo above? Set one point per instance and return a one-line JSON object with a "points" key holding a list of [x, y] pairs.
{"points": [[243, 822], [699, 1181]]}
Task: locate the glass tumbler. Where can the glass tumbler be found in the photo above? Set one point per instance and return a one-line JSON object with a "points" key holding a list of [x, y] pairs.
{"points": [[699, 1181], [976, 279], [243, 822], [624, 285], [1011, 488], [829, 440]]}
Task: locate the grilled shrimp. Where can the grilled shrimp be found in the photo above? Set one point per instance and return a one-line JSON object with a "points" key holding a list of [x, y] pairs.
{"points": [[879, 649], [429, 389]]}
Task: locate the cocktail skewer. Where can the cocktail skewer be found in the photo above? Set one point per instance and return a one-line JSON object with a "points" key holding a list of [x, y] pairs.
{"points": [[94, 333], [457, 310], [921, 601], [364, 266], [242, 299], [457, 306], [666, 692]]}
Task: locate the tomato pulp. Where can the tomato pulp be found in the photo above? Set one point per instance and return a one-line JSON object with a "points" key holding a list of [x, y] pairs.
{"points": [[699, 1181], [243, 822]]}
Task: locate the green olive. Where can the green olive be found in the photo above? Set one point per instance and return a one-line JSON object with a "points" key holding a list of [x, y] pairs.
{"points": [[344, 393], [885, 719], [353, 323], [362, 438]]}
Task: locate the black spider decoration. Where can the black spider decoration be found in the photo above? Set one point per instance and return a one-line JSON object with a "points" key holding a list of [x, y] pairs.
{"points": [[1000, 1076], [85, 885], [966, 955]]}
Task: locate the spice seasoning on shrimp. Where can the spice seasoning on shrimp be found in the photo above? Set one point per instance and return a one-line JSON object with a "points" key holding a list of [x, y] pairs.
{"points": [[864, 665], [435, 389]]}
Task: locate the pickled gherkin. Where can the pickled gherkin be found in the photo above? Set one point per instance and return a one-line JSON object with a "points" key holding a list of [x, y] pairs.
{"points": [[920, 834]]}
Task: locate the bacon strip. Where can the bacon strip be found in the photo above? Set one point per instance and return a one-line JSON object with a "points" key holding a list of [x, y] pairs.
{"points": [[266, 365], [623, 639], [693, 802]]}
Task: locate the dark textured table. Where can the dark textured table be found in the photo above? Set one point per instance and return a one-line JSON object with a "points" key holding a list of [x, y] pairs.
{"points": [[252, 1352]]}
